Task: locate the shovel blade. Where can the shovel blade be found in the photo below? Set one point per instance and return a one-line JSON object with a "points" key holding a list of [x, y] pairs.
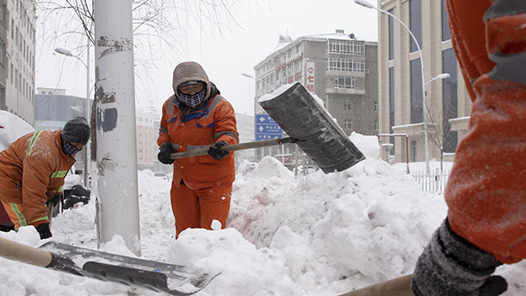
{"points": [[156, 276], [296, 111]]}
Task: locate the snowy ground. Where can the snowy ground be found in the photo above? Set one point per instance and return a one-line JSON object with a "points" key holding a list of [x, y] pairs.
{"points": [[314, 235]]}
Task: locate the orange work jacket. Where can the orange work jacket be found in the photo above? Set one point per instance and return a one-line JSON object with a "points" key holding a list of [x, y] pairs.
{"points": [[485, 192], [201, 128], [32, 171]]}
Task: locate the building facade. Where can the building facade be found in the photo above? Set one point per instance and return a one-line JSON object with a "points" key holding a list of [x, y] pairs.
{"points": [[17, 58], [53, 108], [402, 116], [148, 122], [339, 69]]}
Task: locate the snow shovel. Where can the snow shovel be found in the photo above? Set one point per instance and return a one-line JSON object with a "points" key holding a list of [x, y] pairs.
{"points": [[400, 286], [156, 276], [308, 124]]}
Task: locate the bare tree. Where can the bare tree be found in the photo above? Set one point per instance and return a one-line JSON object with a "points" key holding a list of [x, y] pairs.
{"points": [[158, 25]]}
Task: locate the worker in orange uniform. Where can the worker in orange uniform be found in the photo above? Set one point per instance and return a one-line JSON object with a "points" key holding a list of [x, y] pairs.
{"points": [[32, 172], [486, 221], [197, 116]]}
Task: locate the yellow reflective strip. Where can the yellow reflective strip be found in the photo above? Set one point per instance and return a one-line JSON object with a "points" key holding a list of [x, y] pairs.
{"points": [[32, 142], [59, 174], [21, 219], [45, 218]]}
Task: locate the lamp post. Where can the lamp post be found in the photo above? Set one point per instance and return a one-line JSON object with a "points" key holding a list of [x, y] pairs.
{"points": [[68, 53], [441, 76], [252, 77]]}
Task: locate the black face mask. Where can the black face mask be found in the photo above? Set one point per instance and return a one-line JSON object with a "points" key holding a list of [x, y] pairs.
{"points": [[70, 150], [193, 101]]}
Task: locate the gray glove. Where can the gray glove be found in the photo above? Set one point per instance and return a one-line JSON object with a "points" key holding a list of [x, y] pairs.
{"points": [[452, 266]]}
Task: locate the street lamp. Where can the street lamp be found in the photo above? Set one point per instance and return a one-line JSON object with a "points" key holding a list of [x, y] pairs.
{"points": [[441, 76], [68, 53], [252, 77]]}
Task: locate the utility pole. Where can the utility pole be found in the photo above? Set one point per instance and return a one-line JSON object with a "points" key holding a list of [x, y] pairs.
{"points": [[118, 207]]}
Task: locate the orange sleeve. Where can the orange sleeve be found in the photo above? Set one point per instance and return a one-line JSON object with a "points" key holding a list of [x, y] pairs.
{"points": [[225, 127], [164, 136], [485, 193]]}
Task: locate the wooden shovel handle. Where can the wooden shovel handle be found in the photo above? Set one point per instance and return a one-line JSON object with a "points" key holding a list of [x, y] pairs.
{"points": [[234, 147], [400, 286], [26, 254]]}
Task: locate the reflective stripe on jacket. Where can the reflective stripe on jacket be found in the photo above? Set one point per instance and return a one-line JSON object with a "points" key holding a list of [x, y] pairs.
{"points": [[32, 171]]}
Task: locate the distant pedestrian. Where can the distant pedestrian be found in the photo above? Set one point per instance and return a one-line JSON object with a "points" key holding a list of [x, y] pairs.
{"points": [[32, 172], [197, 116], [486, 222]]}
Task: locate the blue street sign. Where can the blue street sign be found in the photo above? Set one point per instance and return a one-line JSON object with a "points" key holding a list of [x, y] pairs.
{"points": [[266, 128]]}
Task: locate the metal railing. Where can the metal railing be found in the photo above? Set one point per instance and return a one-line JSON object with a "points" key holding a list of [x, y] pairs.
{"points": [[435, 181]]}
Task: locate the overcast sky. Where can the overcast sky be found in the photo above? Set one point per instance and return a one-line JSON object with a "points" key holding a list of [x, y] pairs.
{"points": [[224, 54]]}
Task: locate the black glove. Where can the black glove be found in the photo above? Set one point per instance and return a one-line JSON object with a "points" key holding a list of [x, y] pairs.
{"points": [[452, 266], [215, 151], [43, 230], [164, 153]]}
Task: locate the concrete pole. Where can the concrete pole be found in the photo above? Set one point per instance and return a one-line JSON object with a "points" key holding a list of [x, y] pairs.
{"points": [[118, 209], [86, 113]]}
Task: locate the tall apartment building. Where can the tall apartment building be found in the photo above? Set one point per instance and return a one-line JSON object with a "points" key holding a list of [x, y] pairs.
{"points": [[338, 68], [400, 81], [17, 58]]}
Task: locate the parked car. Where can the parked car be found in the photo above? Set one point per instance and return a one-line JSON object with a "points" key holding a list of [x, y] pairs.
{"points": [[161, 175]]}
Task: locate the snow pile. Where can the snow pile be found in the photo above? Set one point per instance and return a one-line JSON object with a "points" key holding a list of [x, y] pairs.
{"points": [[323, 234]]}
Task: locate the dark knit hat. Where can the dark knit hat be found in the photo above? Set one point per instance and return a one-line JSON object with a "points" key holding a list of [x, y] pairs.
{"points": [[76, 130]]}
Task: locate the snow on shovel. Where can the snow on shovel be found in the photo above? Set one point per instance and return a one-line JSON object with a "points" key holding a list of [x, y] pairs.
{"points": [[309, 126], [156, 276]]}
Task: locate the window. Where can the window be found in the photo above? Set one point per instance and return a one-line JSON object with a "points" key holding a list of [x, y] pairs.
{"points": [[446, 34], [415, 23], [391, 99], [417, 111], [3, 56], [345, 47], [347, 124], [347, 105], [344, 82], [349, 65], [391, 34], [450, 99], [413, 151]]}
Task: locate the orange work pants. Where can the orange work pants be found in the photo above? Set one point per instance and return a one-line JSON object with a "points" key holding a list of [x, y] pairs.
{"points": [[199, 208]]}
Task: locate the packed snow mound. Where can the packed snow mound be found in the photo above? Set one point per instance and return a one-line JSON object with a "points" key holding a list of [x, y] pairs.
{"points": [[12, 127], [323, 234]]}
